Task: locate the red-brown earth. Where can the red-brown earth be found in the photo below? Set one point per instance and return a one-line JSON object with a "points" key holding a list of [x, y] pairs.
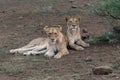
{"points": [[23, 20]]}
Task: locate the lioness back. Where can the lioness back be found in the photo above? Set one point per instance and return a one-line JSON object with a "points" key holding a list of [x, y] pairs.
{"points": [[39, 41]]}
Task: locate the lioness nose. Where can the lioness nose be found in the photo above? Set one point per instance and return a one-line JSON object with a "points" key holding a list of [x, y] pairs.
{"points": [[73, 25], [52, 39]]}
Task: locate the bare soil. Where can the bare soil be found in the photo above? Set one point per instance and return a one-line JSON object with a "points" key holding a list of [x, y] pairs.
{"points": [[23, 20]]}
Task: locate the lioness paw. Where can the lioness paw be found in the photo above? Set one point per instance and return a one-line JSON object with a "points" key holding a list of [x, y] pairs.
{"points": [[86, 45], [26, 53], [79, 48], [48, 55], [57, 56], [13, 51]]}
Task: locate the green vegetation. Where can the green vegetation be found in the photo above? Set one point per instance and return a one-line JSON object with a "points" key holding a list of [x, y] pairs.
{"points": [[53, 1], [11, 68], [112, 75], [116, 29], [108, 8], [108, 36], [92, 40]]}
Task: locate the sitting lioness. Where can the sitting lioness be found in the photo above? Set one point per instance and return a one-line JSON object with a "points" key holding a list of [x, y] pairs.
{"points": [[73, 34], [55, 42]]}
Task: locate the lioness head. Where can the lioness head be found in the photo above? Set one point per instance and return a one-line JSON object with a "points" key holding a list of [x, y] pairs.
{"points": [[72, 23], [53, 32]]}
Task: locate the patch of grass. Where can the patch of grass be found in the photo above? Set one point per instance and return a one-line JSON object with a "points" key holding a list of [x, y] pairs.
{"points": [[116, 28], [116, 66], [76, 77], [39, 78], [107, 37], [8, 67], [17, 58], [72, 76], [34, 78], [112, 75], [49, 69], [108, 8], [56, 77], [53, 1], [50, 1], [92, 40]]}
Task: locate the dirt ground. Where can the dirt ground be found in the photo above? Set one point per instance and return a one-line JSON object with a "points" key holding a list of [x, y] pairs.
{"points": [[23, 20]]}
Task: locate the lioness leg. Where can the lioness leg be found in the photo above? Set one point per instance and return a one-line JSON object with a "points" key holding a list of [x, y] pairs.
{"points": [[31, 45], [61, 53], [49, 53], [82, 43], [74, 46], [26, 48], [37, 50], [22, 49], [33, 52]]}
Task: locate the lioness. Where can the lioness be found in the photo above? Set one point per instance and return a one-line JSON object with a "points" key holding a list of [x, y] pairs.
{"points": [[73, 34], [55, 42]]}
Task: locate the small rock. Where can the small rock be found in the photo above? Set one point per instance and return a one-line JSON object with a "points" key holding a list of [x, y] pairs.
{"points": [[1, 21], [2, 12], [88, 59], [87, 4], [84, 30], [13, 10], [10, 74], [117, 77], [5, 26], [41, 24], [24, 25], [19, 26], [47, 8], [85, 33], [20, 17], [102, 70], [71, 1], [74, 6]]}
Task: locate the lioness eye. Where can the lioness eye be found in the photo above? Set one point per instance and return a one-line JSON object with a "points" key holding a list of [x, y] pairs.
{"points": [[49, 33], [76, 21], [55, 33]]}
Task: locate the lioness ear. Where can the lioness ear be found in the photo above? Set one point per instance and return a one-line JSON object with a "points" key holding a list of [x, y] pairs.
{"points": [[78, 18], [60, 27], [46, 28], [67, 18]]}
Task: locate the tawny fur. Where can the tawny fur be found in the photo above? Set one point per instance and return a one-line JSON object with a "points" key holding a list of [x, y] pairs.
{"points": [[55, 42], [74, 35]]}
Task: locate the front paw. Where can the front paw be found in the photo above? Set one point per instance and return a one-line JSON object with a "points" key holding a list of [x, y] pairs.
{"points": [[79, 48], [13, 51], [48, 55], [57, 56], [86, 45]]}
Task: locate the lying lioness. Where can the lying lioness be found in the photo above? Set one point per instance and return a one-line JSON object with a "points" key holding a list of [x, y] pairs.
{"points": [[56, 42], [73, 34]]}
